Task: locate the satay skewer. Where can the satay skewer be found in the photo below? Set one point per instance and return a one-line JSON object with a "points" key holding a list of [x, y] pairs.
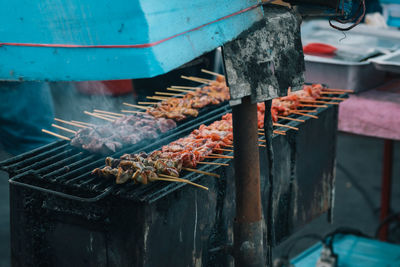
{"points": [[70, 123], [194, 79], [313, 106], [319, 102], [178, 90], [163, 177], [162, 98], [147, 103], [184, 87], [132, 111], [106, 116], [288, 118], [108, 112], [303, 114], [212, 73], [83, 123], [221, 156], [63, 128], [332, 93], [134, 106], [56, 135], [97, 116], [202, 172], [331, 98], [275, 132], [304, 110], [170, 94], [286, 126], [213, 163], [338, 90], [223, 149]]}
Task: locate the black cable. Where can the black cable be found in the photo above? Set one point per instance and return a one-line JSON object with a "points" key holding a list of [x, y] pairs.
{"points": [[358, 21], [387, 220], [329, 238]]}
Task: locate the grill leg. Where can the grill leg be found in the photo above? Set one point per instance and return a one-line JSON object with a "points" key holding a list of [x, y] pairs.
{"points": [[248, 245], [386, 190]]}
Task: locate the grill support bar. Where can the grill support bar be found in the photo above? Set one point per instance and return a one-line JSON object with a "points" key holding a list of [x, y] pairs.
{"points": [[248, 234]]}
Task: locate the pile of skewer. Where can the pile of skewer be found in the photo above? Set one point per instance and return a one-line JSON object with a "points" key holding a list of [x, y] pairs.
{"points": [[315, 102]]}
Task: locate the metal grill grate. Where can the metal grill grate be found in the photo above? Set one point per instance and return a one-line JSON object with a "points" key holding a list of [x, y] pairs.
{"points": [[59, 168]]}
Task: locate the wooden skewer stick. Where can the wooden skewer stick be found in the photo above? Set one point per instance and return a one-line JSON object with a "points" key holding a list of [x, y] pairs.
{"points": [[56, 135], [107, 116], [319, 102], [262, 140], [171, 94], [133, 111], [305, 115], [275, 131], [223, 149], [63, 128], [286, 126], [178, 90], [157, 98], [202, 79], [338, 90], [184, 87], [98, 116], [147, 103], [212, 73], [71, 123], [313, 106], [221, 156], [134, 106], [202, 172], [291, 119], [332, 93], [331, 98], [213, 163], [262, 145], [229, 145], [179, 180], [193, 79], [305, 110], [84, 123], [108, 112]]}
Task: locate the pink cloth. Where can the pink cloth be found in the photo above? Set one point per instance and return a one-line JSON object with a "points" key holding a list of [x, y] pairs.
{"points": [[373, 113]]}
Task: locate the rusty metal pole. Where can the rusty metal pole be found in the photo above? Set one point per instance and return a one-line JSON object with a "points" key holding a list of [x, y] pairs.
{"points": [[248, 234]]}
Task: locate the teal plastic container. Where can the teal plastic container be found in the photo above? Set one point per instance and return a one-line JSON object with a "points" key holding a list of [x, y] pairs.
{"points": [[354, 251]]}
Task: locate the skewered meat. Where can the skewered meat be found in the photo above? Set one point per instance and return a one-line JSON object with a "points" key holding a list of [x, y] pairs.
{"points": [[187, 106], [127, 130], [281, 106], [185, 152]]}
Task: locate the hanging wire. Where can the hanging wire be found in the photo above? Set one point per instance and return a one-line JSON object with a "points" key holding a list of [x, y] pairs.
{"points": [[353, 18]]}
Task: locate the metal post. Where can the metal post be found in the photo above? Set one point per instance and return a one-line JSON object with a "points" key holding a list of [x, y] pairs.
{"points": [[248, 234], [386, 191]]}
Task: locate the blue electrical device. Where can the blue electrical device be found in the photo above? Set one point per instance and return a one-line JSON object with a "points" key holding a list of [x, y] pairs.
{"points": [[114, 39], [354, 251]]}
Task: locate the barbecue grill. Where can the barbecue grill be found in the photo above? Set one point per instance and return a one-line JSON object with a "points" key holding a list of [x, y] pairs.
{"points": [[56, 203], [61, 215]]}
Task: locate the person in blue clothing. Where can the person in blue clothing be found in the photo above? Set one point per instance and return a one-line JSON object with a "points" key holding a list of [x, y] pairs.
{"points": [[25, 108]]}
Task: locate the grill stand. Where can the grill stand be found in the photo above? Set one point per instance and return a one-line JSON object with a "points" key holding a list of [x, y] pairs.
{"points": [[260, 65], [248, 245]]}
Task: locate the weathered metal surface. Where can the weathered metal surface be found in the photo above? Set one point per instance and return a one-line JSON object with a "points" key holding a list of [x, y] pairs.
{"points": [[113, 22], [266, 59], [248, 245]]}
